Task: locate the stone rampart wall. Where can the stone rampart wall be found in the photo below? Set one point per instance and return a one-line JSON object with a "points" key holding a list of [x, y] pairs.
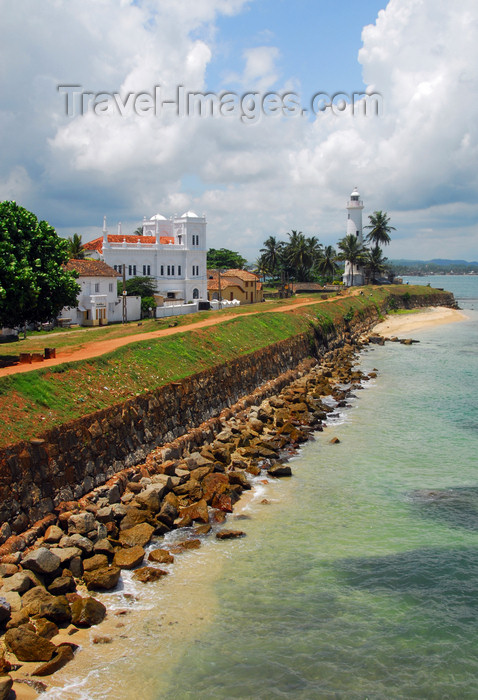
{"points": [[70, 460]]}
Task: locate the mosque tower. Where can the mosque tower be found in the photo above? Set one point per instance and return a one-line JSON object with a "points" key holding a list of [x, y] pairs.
{"points": [[354, 274]]}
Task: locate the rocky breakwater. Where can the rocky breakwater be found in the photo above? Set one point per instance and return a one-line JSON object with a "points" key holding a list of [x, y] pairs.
{"points": [[189, 485]]}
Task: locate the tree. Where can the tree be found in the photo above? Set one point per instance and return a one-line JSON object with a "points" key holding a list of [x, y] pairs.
{"points": [[301, 254], [139, 287], [326, 266], [224, 258], [380, 228], [138, 231], [352, 251], [375, 263], [271, 255], [75, 247], [34, 284]]}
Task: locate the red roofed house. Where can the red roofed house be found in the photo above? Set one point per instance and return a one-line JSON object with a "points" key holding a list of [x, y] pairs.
{"points": [[239, 285], [171, 251], [98, 300]]}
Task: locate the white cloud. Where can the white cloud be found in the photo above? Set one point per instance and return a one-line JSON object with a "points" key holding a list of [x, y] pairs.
{"points": [[417, 160]]}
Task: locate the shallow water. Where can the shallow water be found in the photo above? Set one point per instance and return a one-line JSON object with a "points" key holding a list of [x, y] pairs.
{"points": [[358, 580]]}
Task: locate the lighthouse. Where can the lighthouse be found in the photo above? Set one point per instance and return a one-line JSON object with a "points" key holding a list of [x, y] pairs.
{"points": [[353, 274]]}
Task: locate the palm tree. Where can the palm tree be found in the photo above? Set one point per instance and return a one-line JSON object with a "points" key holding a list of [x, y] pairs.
{"points": [[271, 255], [326, 266], [261, 268], [75, 247], [380, 228], [301, 254], [375, 263], [352, 251]]}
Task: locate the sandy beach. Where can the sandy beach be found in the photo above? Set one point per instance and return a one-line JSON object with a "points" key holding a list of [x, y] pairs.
{"points": [[400, 324]]}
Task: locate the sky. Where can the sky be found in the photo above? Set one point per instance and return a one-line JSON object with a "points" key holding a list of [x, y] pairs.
{"points": [[395, 114]]}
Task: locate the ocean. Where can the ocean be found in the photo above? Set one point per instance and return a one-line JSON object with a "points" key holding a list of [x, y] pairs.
{"points": [[357, 580]]}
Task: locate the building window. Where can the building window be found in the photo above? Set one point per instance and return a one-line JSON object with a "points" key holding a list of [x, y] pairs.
{"points": [[110, 287], [115, 267], [97, 287], [246, 295], [134, 270], [162, 270], [149, 270], [195, 293], [144, 270], [169, 270], [172, 269], [179, 269], [119, 269]]}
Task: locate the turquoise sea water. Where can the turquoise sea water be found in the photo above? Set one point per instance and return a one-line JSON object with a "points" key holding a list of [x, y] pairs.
{"points": [[359, 579]]}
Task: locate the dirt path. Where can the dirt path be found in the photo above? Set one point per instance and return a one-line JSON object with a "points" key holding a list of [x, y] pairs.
{"points": [[101, 347]]}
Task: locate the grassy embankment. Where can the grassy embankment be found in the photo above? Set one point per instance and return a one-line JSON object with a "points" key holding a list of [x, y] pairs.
{"points": [[35, 401]]}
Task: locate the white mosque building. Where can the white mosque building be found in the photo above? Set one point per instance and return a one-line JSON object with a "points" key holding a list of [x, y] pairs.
{"points": [[171, 251], [354, 274]]}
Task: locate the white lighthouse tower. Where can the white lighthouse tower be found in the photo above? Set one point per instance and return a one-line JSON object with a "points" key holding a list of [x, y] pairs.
{"points": [[353, 274]]}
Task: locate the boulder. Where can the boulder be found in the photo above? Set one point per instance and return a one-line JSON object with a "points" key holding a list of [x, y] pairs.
{"points": [[17, 619], [66, 554], [186, 544], [28, 646], [76, 567], [18, 583], [105, 515], [13, 599], [62, 585], [6, 683], [53, 534], [81, 523], [8, 569], [61, 658], [86, 612], [161, 556], [191, 489], [134, 516], [137, 535], [213, 485], [146, 574], [223, 502], [239, 478], [202, 529], [41, 561], [196, 459], [37, 601], [102, 579], [5, 609], [168, 513], [151, 497], [45, 628], [229, 534], [279, 470], [129, 558], [196, 511], [334, 441], [97, 561], [103, 546], [77, 540]]}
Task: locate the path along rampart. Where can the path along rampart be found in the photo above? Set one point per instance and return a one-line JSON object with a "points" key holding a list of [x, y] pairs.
{"points": [[70, 460]]}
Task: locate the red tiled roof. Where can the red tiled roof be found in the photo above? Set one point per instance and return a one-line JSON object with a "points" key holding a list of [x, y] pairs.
{"points": [[242, 274], [91, 268], [225, 283], [97, 243]]}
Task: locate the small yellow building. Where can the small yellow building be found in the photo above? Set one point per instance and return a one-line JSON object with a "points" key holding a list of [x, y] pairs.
{"points": [[230, 285]]}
